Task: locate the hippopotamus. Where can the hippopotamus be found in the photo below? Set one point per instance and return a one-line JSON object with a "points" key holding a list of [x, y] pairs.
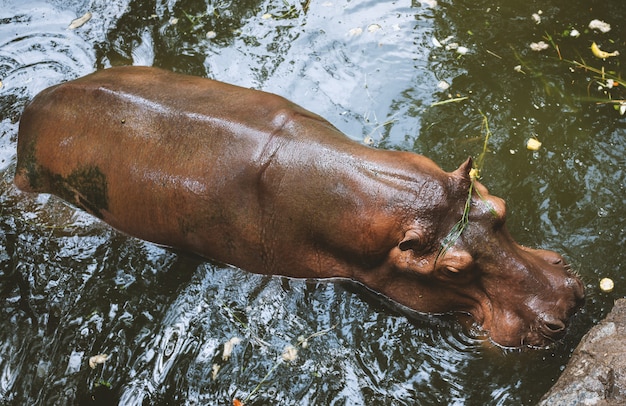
{"points": [[250, 179]]}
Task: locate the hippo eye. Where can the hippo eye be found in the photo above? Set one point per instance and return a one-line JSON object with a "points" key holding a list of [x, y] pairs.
{"points": [[456, 264], [450, 270]]}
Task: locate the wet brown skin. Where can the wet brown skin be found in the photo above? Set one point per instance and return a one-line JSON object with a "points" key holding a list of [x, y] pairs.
{"points": [[250, 179]]}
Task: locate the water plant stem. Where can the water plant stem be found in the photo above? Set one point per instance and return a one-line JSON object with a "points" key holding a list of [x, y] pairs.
{"points": [[474, 174]]}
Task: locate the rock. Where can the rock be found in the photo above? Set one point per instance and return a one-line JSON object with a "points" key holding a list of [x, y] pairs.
{"points": [[596, 374]]}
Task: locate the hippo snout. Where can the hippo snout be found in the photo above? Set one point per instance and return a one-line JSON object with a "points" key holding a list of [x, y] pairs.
{"points": [[556, 309], [552, 293], [563, 278]]}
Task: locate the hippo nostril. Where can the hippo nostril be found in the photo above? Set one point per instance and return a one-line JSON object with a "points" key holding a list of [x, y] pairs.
{"points": [[555, 259], [552, 257], [552, 328], [555, 327]]}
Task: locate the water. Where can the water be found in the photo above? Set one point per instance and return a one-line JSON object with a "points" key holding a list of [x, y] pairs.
{"points": [[73, 288]]}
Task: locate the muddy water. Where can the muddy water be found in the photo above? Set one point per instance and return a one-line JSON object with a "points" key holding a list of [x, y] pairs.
{"points": [[72, 288]]}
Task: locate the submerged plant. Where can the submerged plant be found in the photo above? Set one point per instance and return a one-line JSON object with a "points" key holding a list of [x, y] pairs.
{"points": [[606, 80], [289, 354]]}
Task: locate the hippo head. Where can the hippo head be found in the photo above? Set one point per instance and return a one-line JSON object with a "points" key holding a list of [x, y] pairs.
{"points": [[519, 296]]}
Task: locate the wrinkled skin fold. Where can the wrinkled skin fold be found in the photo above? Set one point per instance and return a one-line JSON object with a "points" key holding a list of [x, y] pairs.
{"points": [[250, 179]]}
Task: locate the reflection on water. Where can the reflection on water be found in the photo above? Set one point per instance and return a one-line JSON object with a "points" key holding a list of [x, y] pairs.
{"points": [[72, 288]]}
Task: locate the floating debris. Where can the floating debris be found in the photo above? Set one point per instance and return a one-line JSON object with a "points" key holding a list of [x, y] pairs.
{"points": [[453, 100], [97, 359], [461, 50], [537, 17], [609, 84], [443, 85], [598, 53], [211, 34], [518, 68], [373, 27], [355, 32], [533, 144], [574, 33], [539, 46], [266, 16], [290, 353], [214, 370], [173, 21], [606, 284], [599, 25], [445, 41], [79, 21], [228, 347], [303, 341], [622, 108]]}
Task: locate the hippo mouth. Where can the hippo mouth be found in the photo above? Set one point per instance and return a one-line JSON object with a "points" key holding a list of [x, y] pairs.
{"points": [[509, 331]]}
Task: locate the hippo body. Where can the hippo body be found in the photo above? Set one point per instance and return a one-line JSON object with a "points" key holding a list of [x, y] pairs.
{"points": [[250, 179]]}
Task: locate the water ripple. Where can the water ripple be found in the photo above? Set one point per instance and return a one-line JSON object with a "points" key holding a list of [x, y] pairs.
{"points": [[37, 50]]}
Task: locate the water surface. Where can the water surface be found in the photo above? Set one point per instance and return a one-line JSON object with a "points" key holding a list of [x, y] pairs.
{"points": [[72, 287]]}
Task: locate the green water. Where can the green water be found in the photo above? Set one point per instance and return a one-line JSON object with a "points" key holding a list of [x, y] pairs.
{"points": [[71, 287]]}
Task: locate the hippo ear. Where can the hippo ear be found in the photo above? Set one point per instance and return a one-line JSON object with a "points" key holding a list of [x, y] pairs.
{"points": [[410, 254], [413, 240], [463, 172]]}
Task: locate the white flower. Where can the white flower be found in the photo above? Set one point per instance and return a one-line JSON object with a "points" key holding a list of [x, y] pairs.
{"points": [[600, 25], [97, 359], [355, 32], [443, 85], [214, 370], [290, 353], [536, 18], [228, 347], [539, 46]]}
